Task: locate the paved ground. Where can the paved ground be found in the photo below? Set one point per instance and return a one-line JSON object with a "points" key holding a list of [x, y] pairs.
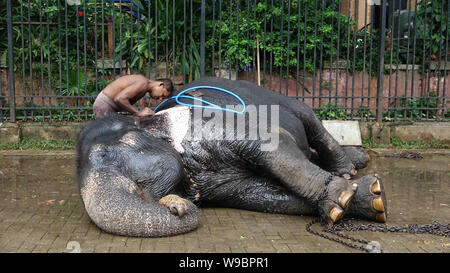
{"points": [[40, 211]]}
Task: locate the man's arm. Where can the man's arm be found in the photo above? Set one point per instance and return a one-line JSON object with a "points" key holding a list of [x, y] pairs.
{"points": [[134, 91]]}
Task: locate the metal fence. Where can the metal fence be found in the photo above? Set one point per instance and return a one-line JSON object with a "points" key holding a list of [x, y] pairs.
{"points": [[374, 60]]}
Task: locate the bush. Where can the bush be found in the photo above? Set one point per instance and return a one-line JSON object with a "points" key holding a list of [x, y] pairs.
{"points": [[44, 45], [320, 27], [144, 39], [432, 24], [427, 32], [331, 112], [415, 108]]}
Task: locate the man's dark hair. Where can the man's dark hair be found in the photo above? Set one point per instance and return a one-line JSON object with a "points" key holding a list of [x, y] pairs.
{"points": [[168, 84]]}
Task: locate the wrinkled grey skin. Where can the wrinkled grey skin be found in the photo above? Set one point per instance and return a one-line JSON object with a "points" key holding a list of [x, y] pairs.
{"points": [[125, 167], [122, 173]]}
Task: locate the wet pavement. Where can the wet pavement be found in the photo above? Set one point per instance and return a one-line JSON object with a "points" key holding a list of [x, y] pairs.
{"points": [[41, 211]]}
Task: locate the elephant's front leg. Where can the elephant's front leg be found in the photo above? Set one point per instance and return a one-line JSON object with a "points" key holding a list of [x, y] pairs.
{"points": [[330, 194]]}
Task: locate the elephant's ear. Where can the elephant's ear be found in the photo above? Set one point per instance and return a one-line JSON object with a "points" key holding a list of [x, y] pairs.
{"points": [[155, 122]]}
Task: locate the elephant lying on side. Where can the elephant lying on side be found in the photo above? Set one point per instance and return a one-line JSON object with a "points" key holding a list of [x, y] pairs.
{"points": [[146, 177]]}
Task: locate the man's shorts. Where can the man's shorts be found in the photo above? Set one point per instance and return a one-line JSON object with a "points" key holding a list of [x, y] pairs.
{"points": [[104, 106]]}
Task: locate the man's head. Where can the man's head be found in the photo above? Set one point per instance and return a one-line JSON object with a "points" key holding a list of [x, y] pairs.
{"points": [[161, 88]]}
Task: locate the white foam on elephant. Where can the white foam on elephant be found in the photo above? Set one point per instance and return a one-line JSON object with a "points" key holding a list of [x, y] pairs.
{"points": [[129, 138], [178, 124]]}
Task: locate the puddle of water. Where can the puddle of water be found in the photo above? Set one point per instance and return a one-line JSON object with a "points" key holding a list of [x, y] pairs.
{"points": [[36, 181], [417, 191]]}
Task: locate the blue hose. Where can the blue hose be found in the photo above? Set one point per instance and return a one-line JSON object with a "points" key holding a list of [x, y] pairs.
{"points": [[211, 105]]}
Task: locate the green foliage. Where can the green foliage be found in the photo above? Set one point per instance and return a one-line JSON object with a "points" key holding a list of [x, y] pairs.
{"points": [[143, 31], [433, 24], [428, 34], [331, 112], [73, 84], [144, 37], [415, 108], [44, 45], [397, 143], [364, 112], [26, 144], [318, 27], [67, 114], [61, 51]]}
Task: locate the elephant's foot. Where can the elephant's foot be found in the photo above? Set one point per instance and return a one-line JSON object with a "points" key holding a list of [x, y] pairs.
{"points": [[369, 201], [357, 155], [344, 169], [338, 197], [175, 204]]}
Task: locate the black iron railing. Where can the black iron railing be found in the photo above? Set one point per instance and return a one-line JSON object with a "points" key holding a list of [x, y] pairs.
{"points": [[347, 59]]}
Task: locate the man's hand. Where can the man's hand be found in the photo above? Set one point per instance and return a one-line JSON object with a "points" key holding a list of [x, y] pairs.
{"points": [[145, 112]]}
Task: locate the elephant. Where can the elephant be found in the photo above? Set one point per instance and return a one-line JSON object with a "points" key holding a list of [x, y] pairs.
{"points": [[147, 177]]}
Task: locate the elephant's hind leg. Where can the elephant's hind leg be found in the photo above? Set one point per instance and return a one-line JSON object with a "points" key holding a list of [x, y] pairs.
{"points": [[330, 194], [332, 157], [357, 156]]}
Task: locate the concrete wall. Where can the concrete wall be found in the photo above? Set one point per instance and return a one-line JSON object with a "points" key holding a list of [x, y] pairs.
{"points": [[14, 132], [406, 131], [379, 133]]}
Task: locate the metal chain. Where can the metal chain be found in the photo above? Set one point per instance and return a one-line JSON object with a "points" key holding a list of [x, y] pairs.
{"points": [[435, 228], [355, 246], [407, 154]]}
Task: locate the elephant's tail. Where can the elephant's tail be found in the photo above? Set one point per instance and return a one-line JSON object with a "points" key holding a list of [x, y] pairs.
{"points": [[114, 204]]}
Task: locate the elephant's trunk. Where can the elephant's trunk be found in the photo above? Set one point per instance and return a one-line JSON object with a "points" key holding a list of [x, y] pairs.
{"points": [[114, 204]]}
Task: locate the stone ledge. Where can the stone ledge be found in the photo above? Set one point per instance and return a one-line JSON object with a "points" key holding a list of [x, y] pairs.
{"points": [[9, 132], [406, 131], [423, 132], [47, 131]]}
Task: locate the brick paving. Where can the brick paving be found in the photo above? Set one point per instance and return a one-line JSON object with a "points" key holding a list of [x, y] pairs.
{"points": [[41, 211]]}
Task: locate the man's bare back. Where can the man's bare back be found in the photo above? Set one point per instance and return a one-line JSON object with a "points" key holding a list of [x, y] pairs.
{"points": [[137, 83], [121, 94]]}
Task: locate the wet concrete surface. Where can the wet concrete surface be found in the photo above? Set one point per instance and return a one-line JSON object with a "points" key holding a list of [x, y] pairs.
{"points": [[41, 211]]}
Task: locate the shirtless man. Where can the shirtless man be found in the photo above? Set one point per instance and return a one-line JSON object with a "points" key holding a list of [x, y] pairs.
{"points": [[121, 94]]}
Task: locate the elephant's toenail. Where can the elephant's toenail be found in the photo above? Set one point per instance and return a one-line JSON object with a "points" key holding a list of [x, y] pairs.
{"points": [[377, 204], [336, 214], [376, 187], [346, 176], [345, 198], [381, 217], [174, 210]]}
